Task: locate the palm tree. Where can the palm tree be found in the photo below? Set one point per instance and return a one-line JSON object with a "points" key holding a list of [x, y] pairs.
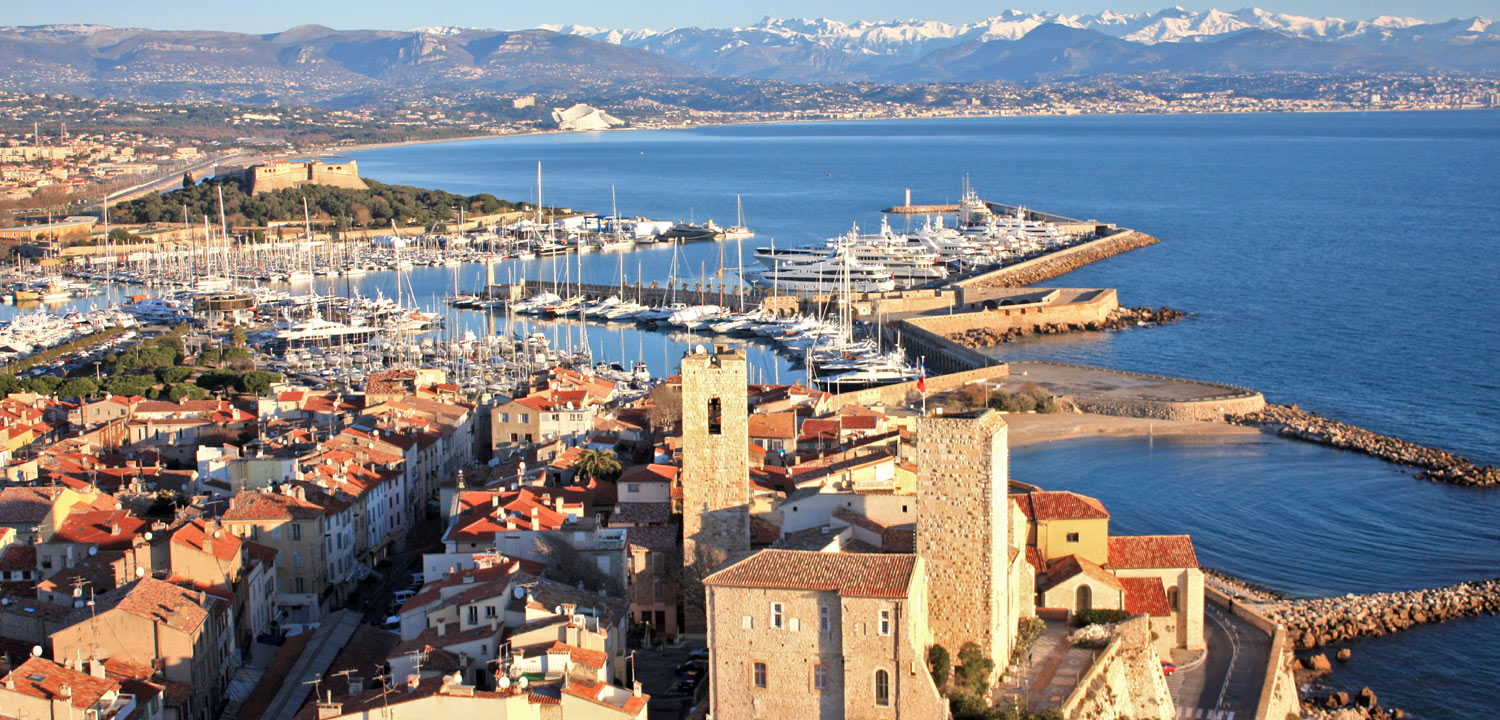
{"points": [[600, 464]]}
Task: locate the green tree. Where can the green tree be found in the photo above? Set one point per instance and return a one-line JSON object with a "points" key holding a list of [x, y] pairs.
{"points": [[974, 668], [187, 180], [598, 464], [188, 391], [79, 387], [257, 382], [174, 375], [940, 664], [11, 384], [237, 335], [210, 356], [45, 384]]}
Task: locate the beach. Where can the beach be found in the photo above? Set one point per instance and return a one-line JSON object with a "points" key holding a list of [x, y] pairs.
{"points": [[1027, 429]]}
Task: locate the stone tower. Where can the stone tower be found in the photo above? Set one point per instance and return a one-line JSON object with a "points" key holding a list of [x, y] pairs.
{"points": [[962, 531], [715, 465]]}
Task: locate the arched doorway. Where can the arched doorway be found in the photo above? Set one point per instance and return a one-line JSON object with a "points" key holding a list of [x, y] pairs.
{"points": [[1084, 600]]}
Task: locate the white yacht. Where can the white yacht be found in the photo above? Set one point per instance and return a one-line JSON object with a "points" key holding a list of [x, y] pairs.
{"points": [[317, 331], [836, 270]]}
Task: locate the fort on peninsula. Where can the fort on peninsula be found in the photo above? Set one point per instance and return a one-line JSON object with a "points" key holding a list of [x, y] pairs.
{"points": [[281, 175]]}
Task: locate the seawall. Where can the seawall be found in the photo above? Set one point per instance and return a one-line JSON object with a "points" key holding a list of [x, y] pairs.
{"points": [[1064, 261], [1321, 621], [1437, 465]]}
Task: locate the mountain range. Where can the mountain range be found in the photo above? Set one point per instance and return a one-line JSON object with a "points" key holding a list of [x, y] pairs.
{"points": [[316, 64], [825, 50]]}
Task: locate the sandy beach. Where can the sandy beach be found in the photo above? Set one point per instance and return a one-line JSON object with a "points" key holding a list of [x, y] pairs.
{"points": [[1030, 429]]}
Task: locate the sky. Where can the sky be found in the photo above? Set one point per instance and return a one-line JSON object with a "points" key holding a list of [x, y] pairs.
{"points": [[266, 16]]}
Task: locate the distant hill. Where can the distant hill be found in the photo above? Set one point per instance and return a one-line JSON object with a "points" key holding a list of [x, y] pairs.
{"points": [[309, 63]]}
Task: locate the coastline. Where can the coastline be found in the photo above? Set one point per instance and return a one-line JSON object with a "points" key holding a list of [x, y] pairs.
{"points": [[339, 150], [1029, 430]]}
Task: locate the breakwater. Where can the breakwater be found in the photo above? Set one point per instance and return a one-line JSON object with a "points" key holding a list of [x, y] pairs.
{"points": [[1437, 465], [1059, 263], [1316, 622], [1118, 319]]}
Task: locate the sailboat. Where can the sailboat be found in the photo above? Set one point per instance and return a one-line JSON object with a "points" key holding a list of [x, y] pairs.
{"points": [[300, 275], [738, 231]]}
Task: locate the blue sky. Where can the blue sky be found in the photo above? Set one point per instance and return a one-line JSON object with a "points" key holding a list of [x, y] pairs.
{"points": [[273, 15]]}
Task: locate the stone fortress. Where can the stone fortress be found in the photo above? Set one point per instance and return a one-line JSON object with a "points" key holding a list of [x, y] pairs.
{"points": [[279, 175], [823, 600]]}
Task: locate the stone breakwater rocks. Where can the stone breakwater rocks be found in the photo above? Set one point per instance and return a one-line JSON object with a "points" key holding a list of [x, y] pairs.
{"points": [[1119, 319], [1437, 465], [1311, 623], [1063, 262], [1339, 706]]}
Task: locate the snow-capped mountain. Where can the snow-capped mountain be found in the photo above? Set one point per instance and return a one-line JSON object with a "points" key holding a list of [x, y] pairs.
{"points": [[803, 49]]}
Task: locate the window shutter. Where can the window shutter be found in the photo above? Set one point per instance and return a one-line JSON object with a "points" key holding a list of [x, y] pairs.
{"points": [[747, 622]]}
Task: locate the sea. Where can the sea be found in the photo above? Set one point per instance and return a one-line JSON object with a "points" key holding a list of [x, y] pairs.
{"points": [[1343, 262]]}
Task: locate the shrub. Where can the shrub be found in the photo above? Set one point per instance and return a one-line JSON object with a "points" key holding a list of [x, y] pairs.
{"points": [[174, 375], [940, 664], [1084, 618], [974, 668]]}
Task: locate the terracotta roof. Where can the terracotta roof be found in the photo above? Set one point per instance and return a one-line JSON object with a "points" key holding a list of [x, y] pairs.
{"points": [[648, 473], [652, 538], [108, 529], [251, 505], [225, 545], [592, 692], [595, 659], [18, 557], [1152, 551], [176, 607], [1069, 566], [44, 679], [642, 513], [762, 532], [781, 425], [1145, 595], [853, 574], [26, 504], [1060, 505]]}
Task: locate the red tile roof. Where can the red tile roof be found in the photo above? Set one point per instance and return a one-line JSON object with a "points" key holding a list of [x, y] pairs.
{"points": [[781, 425], [225, 545], [649, 473], [590, 691], [1152, 551], [250, 505], [1069, 566], [1060, 505], [1145, 595], [108, 529], [44, 679], [853, 574]]}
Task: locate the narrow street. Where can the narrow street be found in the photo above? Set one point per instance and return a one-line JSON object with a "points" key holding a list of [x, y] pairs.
{"points": [[1226, 684]]}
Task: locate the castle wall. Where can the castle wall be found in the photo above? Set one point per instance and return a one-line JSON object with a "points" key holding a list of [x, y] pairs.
{"points": [[1125, 680]]}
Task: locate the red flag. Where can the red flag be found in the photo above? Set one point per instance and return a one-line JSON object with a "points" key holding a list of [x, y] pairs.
{"points": [[922, 379]]}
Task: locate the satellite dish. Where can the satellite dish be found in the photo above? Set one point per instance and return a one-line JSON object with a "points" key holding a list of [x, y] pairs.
{"points": [[522, 682], [520, 593], [515, 672], [78, 592], [148, 536], [36, 650], [93, 550], [140, 572], [218, 533], [503, 682]]}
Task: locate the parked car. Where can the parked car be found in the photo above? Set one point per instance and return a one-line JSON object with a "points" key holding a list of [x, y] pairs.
{"points": [[1168, 668]]}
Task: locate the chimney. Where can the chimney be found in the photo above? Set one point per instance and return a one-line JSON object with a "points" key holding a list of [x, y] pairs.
{"points": [[208, 541], [114, 529], [536, 520], [442, 627], [329, 710], [558, 503], [636, 688], [412, 681], [65, 691], [96, 669]]}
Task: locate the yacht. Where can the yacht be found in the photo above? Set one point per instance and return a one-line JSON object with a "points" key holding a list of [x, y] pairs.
{"points": [[835, 270], [317, 331]]}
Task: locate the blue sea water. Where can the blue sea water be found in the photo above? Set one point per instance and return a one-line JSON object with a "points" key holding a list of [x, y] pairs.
{"points": [[1343, 262]]}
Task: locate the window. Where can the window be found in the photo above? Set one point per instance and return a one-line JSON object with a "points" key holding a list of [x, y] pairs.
{"points": [[515, 438], [882, 688], [489, 611], [473, 614], [1072, 537], [297, 558], [632, 487], [760, 674], [1085, 599], [776, 616], [300, 585], [885, 622], [715, 416], [1172, 599], [820, 677], [505, 417], [296, 532], [525, 417]]}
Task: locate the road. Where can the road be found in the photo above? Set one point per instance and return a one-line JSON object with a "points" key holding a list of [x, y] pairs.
{"points": [[1226, 686]]}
